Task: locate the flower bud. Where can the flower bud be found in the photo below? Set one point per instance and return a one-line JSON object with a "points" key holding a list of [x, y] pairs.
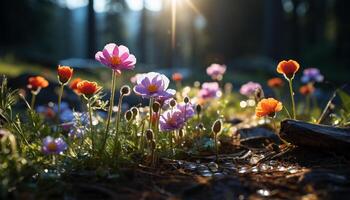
{"points": [[186, 100], [149, 134], [156, 107], [64, 74], [172, 102], [200, 126], [134, 111], [198, 108], [216, 128], [259, 94], [128, 115], [125, 90], [181, 133]]}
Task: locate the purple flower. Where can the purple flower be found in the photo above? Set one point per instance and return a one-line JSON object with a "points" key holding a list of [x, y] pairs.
{"points": [[77, 132], [53, 146], [312, 75], [171, 120], [216, 71], [210, 90], [249, 88], [116, 57], [153, 84], [186, 109]]}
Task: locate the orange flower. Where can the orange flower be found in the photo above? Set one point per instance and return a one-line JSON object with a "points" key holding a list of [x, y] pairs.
{"points": [[177, 77], [268, 107], [88, 88], [288, 68], [275, 83], [307, 89], [74, 84], [37, 82], [64, 73]]}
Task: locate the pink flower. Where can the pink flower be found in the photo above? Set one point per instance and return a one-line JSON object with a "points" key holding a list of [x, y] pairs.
{"points": [[249, 88], [216, 71], [116, 57], [210, 90]]}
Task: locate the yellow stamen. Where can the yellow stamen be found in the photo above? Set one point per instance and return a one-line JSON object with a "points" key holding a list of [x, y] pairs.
{"points": [[152, 88], [115, 60]]}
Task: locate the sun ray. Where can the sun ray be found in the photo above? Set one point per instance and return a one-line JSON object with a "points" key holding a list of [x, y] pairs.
{"points": [[173, 23], [193, 7]]}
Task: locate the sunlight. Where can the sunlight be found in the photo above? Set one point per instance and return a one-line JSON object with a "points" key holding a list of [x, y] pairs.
{"points": [[153, 5], [135, 5]]}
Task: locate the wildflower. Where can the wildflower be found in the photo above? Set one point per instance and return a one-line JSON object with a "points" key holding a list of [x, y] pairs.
{"points": [[116, 57], [210, 90], [87, 88], [53, 146], [249, 88], [177, 77], [37, 82], [216, 71], [307, 89], [64, 73], [77, 132], [152, 85], [171, 120], [311, 75], [288, 68], [268, 107], [275, 83], [186, 109], [74, 85], [125, 90]]}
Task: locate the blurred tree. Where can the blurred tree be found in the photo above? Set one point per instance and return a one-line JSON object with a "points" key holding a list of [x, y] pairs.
{"points": [[91, 30]]}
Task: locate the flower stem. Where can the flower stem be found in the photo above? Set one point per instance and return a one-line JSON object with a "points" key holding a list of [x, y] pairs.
{"points": [[59, 102], [292, 97], [32, 104], [91, 128], [117, 121], [216, 147], [150, 112], [111, 104]]}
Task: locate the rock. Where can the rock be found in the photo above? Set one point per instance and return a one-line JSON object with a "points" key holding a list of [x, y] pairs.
{"points": [[323, 137]]}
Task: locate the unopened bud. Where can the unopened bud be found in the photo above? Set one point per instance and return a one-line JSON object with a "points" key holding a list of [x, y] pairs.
{"points": [[259, 94], [128, 115], [181, 133], [125, 90], [134, 111], [216, 128], [172, 103], [200, 126], [156, 107], [149, 134], [186, 100], [198, 108]]}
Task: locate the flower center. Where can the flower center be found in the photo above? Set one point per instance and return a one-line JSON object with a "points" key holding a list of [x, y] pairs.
{"points": [[152, 88], [115, 60], [52, 146]]}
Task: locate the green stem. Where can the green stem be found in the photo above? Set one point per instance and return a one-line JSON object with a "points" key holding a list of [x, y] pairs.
{"points": [[32, 104], [216, 147], [150, 112], [59, 102], [110, 109], [292, 97], [171, 143], [307, 108], [91, 128], [116, 137]]}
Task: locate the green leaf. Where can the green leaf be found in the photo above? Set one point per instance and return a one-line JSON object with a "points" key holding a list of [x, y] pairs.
{"points": [[345, 98]]}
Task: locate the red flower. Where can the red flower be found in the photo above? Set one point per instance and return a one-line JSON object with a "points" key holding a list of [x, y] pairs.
{"points": [[177, 77], [74, 84], [88, 88], [37, 82], [275, 83], [307, 89], [268, 107], [64, 73], [288, 68]]}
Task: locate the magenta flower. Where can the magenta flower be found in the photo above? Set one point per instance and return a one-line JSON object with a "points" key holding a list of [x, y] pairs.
{"points": [[53, 146], [116, 57], [249, 88], [210, 90], [171, 120], [216, 71], [153, 85], [186, 109], [312, 75]]}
